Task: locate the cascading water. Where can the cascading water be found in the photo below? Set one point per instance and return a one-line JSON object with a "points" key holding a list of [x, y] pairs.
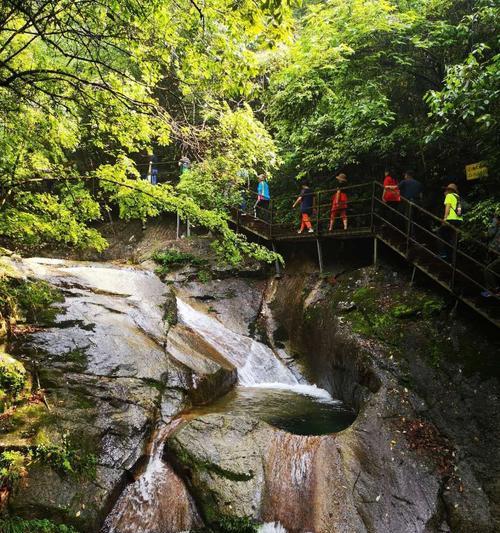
{"points": [[265, 383], [257, 364], [272, 527], [267, 387], [158, 501]]}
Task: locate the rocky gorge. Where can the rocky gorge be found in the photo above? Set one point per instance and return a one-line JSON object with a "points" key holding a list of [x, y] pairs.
{"points": [[236, 401]]}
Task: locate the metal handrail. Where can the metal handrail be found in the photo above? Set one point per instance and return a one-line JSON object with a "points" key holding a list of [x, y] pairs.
{"points": [[410, 221], [437, 219]]}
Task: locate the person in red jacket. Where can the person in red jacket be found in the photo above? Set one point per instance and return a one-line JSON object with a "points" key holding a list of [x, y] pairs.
{"points": [[339, 204], [392, 197], [391, 190]]}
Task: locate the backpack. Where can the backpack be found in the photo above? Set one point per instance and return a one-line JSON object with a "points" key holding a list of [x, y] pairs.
{"points": [[462, 206]]}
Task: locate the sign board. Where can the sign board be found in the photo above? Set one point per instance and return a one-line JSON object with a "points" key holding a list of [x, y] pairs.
{"points": [[476, 171]]}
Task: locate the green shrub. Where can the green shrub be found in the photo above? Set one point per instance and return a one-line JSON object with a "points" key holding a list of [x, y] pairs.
{"points": [[19, 525], [12, 466], [173, 258], [30, 300], [66, 458], [204, 276], [13, 378], [403, 311], [35, 298]]}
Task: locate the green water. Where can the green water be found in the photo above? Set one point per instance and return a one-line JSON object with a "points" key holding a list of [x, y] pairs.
{"points": [[285, 409]]}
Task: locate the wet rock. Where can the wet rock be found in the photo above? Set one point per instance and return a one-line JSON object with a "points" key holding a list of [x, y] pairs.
{"points": [[221, 457], [45, 493], [104, 367], [158, 500], [235, 302], [240, 467], [208, 374], [399, 483]]}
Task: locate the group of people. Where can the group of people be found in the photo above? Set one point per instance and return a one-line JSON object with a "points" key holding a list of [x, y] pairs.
{"points": [[338, 207], [306, 200], [409, 189]]}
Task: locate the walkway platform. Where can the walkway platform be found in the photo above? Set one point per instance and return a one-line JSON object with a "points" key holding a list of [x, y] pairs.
{"points": [[410, 231]]}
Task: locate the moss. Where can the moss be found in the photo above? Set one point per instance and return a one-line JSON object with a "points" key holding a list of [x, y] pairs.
{"points": [[168, 259], [229, 524], [14, 380], [29, 301], [27, 419], [155, 384], [12, 466], [66, 458], [19, 525], [77, 356], [35, 299], [204, 276]]}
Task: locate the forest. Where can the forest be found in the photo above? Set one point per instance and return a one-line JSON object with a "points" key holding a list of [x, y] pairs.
{"points": [[175, 357], [91, 92]]}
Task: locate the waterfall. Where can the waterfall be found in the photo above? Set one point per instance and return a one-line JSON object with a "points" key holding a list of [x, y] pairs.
{"points": [[158, 502], [257, 364], [272, 527]]}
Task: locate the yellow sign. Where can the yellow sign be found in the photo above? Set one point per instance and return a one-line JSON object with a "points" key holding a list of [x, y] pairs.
{"points": [[476, 171]]}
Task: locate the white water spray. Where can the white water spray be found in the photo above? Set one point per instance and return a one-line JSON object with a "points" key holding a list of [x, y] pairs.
{"points": [[257, 364]]}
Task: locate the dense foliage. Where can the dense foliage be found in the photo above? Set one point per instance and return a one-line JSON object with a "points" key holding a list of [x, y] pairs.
{"points": [[377, 83], [89, 89]]}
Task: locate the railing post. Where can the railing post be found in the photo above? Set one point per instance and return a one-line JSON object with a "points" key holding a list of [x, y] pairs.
{"points": [[270, 218], [372, 225], [454, 259], [318, 204], [276, 262], [408, 229], [320, 256]]}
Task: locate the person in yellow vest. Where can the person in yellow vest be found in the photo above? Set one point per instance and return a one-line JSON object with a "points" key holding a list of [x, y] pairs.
{"points": [[452, 220]]}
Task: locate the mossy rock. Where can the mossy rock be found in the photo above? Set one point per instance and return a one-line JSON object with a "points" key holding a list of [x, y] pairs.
{"points": [[14, 380]]}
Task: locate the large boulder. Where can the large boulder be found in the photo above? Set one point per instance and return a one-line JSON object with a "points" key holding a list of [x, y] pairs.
{"points": [[238, 466], [422, 454], [207, 374], [106, 374]]}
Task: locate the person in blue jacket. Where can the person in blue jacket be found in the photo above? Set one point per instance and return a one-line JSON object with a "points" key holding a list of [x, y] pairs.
{"points": [[263, 196]]}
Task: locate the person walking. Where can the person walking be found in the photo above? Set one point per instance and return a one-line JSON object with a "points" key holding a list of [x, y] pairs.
{"points": [[339, 204], [392, 198], [263, 196], [452, 220], [410, 188], [306, 201], [184, 164]]}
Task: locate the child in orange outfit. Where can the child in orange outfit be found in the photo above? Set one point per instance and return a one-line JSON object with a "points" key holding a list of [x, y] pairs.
{"points": [[339, 204], [306, 201]]}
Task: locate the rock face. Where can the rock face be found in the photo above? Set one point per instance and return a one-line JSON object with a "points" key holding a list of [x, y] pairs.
{"points": [[102, 363], [108, 378], [208, 374], [421, 455], [117, 367], [238, 466]]}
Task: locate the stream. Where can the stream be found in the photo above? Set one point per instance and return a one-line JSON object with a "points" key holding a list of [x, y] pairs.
{"points": [[267, 389], [114, 315]]}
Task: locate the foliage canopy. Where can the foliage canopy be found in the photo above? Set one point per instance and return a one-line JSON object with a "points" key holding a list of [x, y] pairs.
{"points": [[89, 89]]}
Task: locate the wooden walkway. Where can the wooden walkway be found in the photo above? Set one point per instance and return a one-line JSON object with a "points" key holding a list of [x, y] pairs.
{"points": [[409, 231]]}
